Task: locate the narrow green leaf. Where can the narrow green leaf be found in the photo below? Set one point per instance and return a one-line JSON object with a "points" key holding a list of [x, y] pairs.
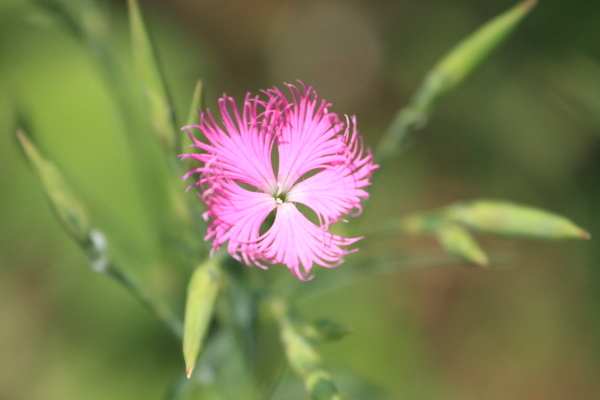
{"points": [[450, 72], [509, 219], [56, 13], [465, 57], [73, 216], [202, 293], [456, 240], [71, 212], [182, 216], [161, 112], [196, 104], [160, 190]]}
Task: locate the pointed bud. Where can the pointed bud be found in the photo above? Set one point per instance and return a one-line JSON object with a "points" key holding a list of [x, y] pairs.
{"points": [[450, 72], [465, 57], [508, 219], [67, 205], [202, 293]]}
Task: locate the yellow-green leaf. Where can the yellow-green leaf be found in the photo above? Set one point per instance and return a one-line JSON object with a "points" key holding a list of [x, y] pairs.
{"points": [[450, 71], [67, 205], [193, 117], [202, 293], [73, 216], [509, 219], [161, 112], [456, 240], [468, 54], [197, 103]]}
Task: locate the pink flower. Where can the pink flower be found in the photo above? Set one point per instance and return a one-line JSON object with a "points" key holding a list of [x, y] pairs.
{"points": [[264, 162]]}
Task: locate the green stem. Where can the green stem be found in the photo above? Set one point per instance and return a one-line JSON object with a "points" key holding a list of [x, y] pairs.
{"points": [[410, 118], [161, 310]]}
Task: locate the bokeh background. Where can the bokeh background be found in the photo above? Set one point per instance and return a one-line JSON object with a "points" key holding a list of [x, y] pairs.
{"points": [[525, 127]]}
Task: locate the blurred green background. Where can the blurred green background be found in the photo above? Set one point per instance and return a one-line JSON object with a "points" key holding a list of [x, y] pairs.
{"points": [[525, 127]]}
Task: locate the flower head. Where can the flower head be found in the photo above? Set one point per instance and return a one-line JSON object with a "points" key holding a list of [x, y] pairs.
{"points": [[260, 164]]}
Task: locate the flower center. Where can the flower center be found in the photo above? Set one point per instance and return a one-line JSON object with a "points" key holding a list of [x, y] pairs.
{"points": [[280, 199], [280, 196]]}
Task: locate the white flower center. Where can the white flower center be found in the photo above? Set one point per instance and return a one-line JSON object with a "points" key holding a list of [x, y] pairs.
{"points": [[280, 196]]}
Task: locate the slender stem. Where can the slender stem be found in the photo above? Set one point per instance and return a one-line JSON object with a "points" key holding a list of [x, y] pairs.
{"points": [[407, 119], [160, 309]]}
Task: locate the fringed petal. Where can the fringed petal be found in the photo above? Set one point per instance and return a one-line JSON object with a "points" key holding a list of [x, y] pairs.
{"points": [[322, 164], [337, 189], [309, 138], [242, 150], [297, 243]]}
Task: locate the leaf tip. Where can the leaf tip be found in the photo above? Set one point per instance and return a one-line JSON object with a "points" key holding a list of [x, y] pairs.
{"points": [[584, 234], [482, 260], [528, 4], [188, 371]]}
